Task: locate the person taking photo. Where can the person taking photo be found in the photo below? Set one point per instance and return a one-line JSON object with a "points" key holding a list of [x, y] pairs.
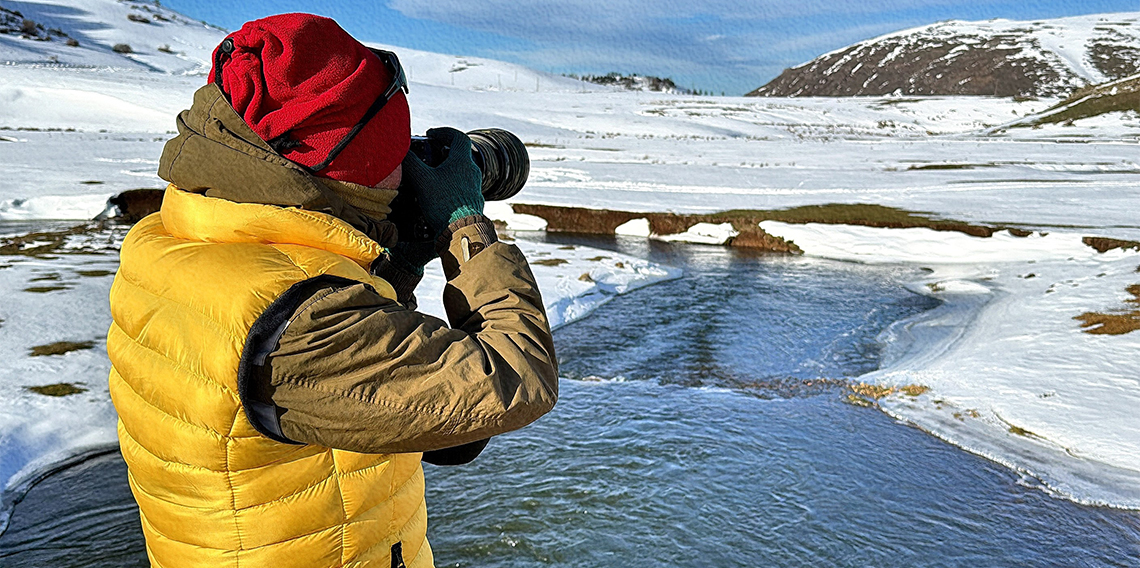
{"points": [[276, 388]]}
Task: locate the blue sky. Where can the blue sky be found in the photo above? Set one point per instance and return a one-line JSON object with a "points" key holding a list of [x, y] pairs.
{"points": [[730, 46]]}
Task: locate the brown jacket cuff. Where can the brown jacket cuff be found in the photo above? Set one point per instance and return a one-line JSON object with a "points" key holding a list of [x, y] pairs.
{"points": [[462, 240]]}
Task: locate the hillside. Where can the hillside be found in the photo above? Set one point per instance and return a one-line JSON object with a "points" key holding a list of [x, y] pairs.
{"points": [[1121, 95], [103, 34], [83, 34], [995, 58]]}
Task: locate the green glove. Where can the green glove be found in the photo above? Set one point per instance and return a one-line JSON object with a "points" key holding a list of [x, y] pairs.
{"points": [[451, 190], [412, 257]]}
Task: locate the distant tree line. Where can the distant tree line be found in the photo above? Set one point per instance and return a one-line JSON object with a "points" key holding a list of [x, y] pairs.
{"points": [[635, 82]]}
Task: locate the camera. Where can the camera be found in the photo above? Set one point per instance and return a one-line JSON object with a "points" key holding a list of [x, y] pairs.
{"points": [[500, 156]]}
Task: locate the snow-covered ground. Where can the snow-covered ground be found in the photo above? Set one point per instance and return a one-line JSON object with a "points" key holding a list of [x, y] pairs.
{"points": [[1011, 374]]}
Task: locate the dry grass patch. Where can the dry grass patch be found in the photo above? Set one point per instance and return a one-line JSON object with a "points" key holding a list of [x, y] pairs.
{"points": [[95, 273], [60, 348], [1114, 96], [551, 262], [1114, 323], [865, 394], [58, 389], [45, 289]]}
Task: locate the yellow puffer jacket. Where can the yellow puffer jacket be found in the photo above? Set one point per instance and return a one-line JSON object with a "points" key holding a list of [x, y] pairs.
{"points": [[212, 491]]}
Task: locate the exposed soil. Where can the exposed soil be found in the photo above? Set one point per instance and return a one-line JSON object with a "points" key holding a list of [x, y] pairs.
{"points": [[94, 273], [45, 289], [1120, 322], [58, 389], [99, 235], [1103, 244], [746, 221], [635, 82], [60, 348]]}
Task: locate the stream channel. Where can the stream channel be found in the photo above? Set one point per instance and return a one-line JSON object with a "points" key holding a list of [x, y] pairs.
{"points": [[702, 422]]}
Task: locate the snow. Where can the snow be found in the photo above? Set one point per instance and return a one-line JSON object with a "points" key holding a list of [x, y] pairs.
{"points": [[700, 233], [704, 233], [634, 228], [503, 213], [1003, 357], [1012, 375]]}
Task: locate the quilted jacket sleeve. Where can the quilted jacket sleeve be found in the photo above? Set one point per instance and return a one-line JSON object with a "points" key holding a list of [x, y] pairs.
{"points": [[350, 369]]}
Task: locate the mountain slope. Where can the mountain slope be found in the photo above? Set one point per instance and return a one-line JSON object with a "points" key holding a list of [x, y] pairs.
{"points": [[1121, 95], [995, 57]]}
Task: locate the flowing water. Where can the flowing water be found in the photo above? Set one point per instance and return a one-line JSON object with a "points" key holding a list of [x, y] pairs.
{"points": [[702, 422]]}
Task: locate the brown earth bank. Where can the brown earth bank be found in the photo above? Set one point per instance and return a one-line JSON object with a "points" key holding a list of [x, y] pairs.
{"points": [[130, 206], [1103, 244], [746, 221]]}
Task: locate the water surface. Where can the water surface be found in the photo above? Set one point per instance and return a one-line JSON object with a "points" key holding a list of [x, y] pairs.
{"points": [[702, 422]]}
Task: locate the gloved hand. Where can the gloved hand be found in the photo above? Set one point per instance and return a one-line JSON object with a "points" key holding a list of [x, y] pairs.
{"points": [[453, 189], [412, 257]]}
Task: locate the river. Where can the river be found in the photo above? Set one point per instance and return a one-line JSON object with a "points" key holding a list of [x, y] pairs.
{"points": [[702, 421]]}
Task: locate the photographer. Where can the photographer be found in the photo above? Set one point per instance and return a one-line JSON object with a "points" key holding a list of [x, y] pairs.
{"points": [[275, 386]]}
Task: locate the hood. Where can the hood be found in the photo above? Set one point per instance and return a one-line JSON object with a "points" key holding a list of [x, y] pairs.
{"points": [[218, 155]]}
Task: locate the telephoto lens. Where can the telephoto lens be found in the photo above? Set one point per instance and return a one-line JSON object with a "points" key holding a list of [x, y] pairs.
{"points": [[500, 155]]}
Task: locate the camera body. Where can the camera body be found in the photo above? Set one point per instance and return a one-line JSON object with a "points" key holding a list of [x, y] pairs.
{"points": [[500, 156]]}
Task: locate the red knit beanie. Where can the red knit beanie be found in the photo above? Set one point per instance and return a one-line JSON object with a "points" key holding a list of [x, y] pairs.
{"points": [[304, 77]]}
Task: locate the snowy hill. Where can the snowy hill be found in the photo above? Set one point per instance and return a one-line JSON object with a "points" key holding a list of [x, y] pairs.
{"points": [[477, 74], [995, 57], [86, 33]]}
